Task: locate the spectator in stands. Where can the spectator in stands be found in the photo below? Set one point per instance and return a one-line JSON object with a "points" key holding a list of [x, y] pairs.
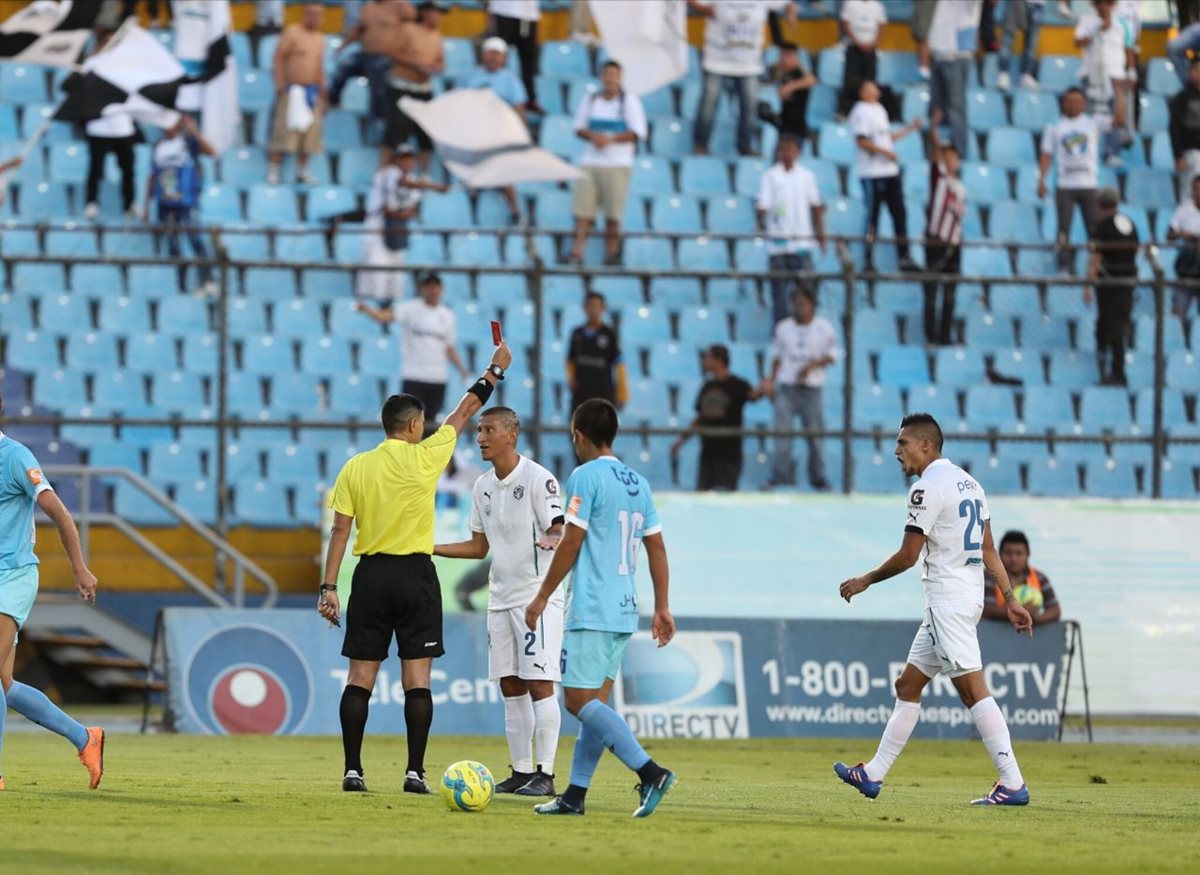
{"points": [[1107, 46], [1024, 17], [733, 53], [427, 345], [791, 214], [918, 26], [595, 368], [805, 345], [861, 23], [953, 39], [1014, 553], [719, 404], [115, 134], [611, 122], [878, 170], [1185, 129], [268, 18], [492, 73], [1114, 256], [583, 27], [378, 33], [1185, 227], [1187, 41], [300, 95], [516, 22], [422, 55], [175, 183], [943, 236], [795, 85], [1072, 145], [393, 202]]}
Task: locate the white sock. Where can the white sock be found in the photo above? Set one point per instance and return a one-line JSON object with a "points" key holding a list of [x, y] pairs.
{"points": [[994, 731], [895, 735], [518, 727], [548, 720]]}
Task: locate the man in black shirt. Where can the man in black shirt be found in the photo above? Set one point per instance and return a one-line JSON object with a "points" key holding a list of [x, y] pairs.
{"points": [[594, 365], [1114, 255], [720, 403], [795, 83], [1185, 130]]}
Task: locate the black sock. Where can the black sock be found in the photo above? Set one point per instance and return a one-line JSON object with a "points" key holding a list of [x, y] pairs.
{"points": [[354, 722], [574, 795], [418, 717], [650, 772]]}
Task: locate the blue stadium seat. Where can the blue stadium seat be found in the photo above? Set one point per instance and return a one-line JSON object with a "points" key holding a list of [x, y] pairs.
{"points": [[1112, 479], [822, 106], [354, 396], [553, 209], [329, 200], [39, 278], [245, 166], [19, 241], [645, 325], [325, 356], [152, 280], [704, 253], [618, 291], [1150, 188], [1047, 407], [1152, 114], [266, 355], [1174, 411], [1057, 73], [341, 130], [136, 507], [1183, 370], [875, 328], [1016, 299], [59, 312], [897, 69], [831, 66], [516, 253], [18, 315], [903, 366], [303, 247], [565, 59], [23, 84], [298, 317], [676, 214], [269, 283], [990, 262], [579, 90], [991, 407], [750, 254], [68, 163], [1072, 369], [1105, 408], [877, 407], [844, 216], [174, 462], [941, 402], [1016, 222], [451, 209], [835, 143], [262, 503], [899, 298], [150, 353], [985, 109], [271, 205], [671, 137], [43, 200], [294, 395], [8, 126], [1011, 148], [754, 323], [672, 362], [648, 253], [177, 392], [959, 366], [557, 134], [652, 175], [460, 56], [1053, 478], [74, 241], [491, 210], [59, 388], [122, 315], [379, 356], [1173, 339], [256, 90], [988, 331], [1023, 365], [1034, 110], [1162, 157], [748, 172], [92, 351], [247, 316], [220, 205], [703, 326], [703, 174], [986, 183], [1161, 77], [356, 167], [729, 215], [471, 249]]}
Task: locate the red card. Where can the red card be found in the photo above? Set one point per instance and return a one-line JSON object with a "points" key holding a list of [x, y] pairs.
{"points": [[497, 339]]}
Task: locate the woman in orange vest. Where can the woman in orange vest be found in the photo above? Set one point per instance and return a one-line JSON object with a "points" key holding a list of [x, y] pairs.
{"points": [[1014, 553]]}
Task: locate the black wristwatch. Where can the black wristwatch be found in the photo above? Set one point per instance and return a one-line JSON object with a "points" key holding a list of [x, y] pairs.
{"points": [[496, 371], [327, 587]]}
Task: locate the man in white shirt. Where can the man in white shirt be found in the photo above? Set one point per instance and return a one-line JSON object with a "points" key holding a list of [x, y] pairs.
{"points": [[517, 516], [516, 22], [805, 345], [1023, 16], [949, 525], [878, 170], [733, 52], [1107, 44], [427, 345], [1185, 227], [953, 39], [1072, 144], [792, 215], [111, 133], [861, 23], [611, 122]]}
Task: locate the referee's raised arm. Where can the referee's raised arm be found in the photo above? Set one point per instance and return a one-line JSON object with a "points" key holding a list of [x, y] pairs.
{"points": [[481, 391]]}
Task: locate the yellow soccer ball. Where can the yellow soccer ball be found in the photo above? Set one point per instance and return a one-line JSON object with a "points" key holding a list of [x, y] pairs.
{"points": [[467, 786], [1029, 597]]}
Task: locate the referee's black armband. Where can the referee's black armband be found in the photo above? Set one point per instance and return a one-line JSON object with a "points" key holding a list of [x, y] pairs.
{"points": [[482, 390]]}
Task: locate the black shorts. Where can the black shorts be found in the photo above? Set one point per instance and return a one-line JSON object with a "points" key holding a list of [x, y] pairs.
{"points": [[400, 127], [394, 595], [432, 395]]}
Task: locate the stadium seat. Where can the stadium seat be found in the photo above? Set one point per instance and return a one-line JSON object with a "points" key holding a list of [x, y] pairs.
{"points": [[1105, 408], [959, 366], [941, 402], [671, 137], [516, 250], [59, 388], [703, 174], [750, 254], [92, 351], [1054, 479], [1023, 365], [8, 126], [325, 356], [68, 163], [836, 144], [1010, 148], [903, 366], [618, 291], [1015, 299], [989, 262], [1034, 110], [729, 214], [122, 315], [877, 472], [23, 84], [1161, 77], [1047, 408], [138, 508], [652, 175], [985, 109], [1015, 222], [645, 325], [472, 249], [557, 134], [986, 183], [244, 166], [565, 59], [17, 241], [553, 209], [748, 172], [1183, 370], [844, 216], [177, 392], [150, 353], [1162, 157], [325, 201], [991, 407], [246, 317], [877, 406], [262, 503], [988, 331], [831, 66], [269, 283], [73, 241], [680, 213], [1112, 479], [1150, 188], [1152, 114], [701, 326], [672, 362], [379, 356], [38, 278], [300, 247], [220, 205], [704, 253], [1073, 370], [648, 253], [43, 201], [271, 205], [451, 209], [822, 107], [294, 395], [298, 317], [266, 355]]}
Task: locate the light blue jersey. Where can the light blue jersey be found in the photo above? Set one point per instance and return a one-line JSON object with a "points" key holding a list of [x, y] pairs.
{"points": [[612, 503], [21, 480]]}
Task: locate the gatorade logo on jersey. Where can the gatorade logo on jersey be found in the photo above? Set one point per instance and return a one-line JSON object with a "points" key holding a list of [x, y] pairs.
{"points": [[917, 499], [35, 476], [551, 487]]}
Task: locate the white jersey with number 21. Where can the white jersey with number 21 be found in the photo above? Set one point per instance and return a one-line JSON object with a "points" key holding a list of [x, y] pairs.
{"points": [[948, 507]]}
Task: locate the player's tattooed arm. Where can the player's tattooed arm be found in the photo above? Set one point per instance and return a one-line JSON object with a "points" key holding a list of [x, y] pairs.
{"points": [[899, 562]]}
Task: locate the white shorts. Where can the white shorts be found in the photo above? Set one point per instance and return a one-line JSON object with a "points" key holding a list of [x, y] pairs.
{"points": [[514, 651], [948, 641]]}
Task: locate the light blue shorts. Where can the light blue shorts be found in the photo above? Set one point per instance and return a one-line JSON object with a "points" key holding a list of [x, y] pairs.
{"points": [[18, 589], [590, 658]]}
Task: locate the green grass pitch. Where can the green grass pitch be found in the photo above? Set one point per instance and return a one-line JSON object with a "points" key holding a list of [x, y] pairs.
{"points": [[256, 804]]}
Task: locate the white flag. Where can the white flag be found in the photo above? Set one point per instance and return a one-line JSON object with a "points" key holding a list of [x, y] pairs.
{"points": [[47, 33], [648, 40], [482, 140], [202, 29]]}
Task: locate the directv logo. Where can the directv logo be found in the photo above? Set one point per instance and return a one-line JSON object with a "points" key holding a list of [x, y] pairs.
{"points": [[692, 689]]}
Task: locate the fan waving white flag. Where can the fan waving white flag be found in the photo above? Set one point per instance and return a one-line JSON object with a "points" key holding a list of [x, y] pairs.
{"points": [[202, 29], [648, 40]]}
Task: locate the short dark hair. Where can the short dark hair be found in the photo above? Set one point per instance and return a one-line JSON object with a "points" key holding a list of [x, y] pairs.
{"points": [[610, 63], [511, 420], [720, 352], [596, 420], [1072, 90], [793, 139], [399, 411], [926, 426], [787, 46], [803, 290], [594, 296], [1013, 536]]}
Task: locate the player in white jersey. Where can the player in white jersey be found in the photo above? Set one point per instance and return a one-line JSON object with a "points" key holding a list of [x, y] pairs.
{"points": [[517, 515], [949, 522]]}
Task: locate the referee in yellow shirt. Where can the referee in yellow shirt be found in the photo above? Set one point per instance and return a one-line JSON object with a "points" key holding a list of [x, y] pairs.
{"points": [[388, 492]]}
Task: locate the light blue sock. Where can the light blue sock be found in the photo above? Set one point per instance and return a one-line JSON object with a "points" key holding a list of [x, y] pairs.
{"points": [[614, 732], [589, 747], [3, 715], [32, 704]]}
